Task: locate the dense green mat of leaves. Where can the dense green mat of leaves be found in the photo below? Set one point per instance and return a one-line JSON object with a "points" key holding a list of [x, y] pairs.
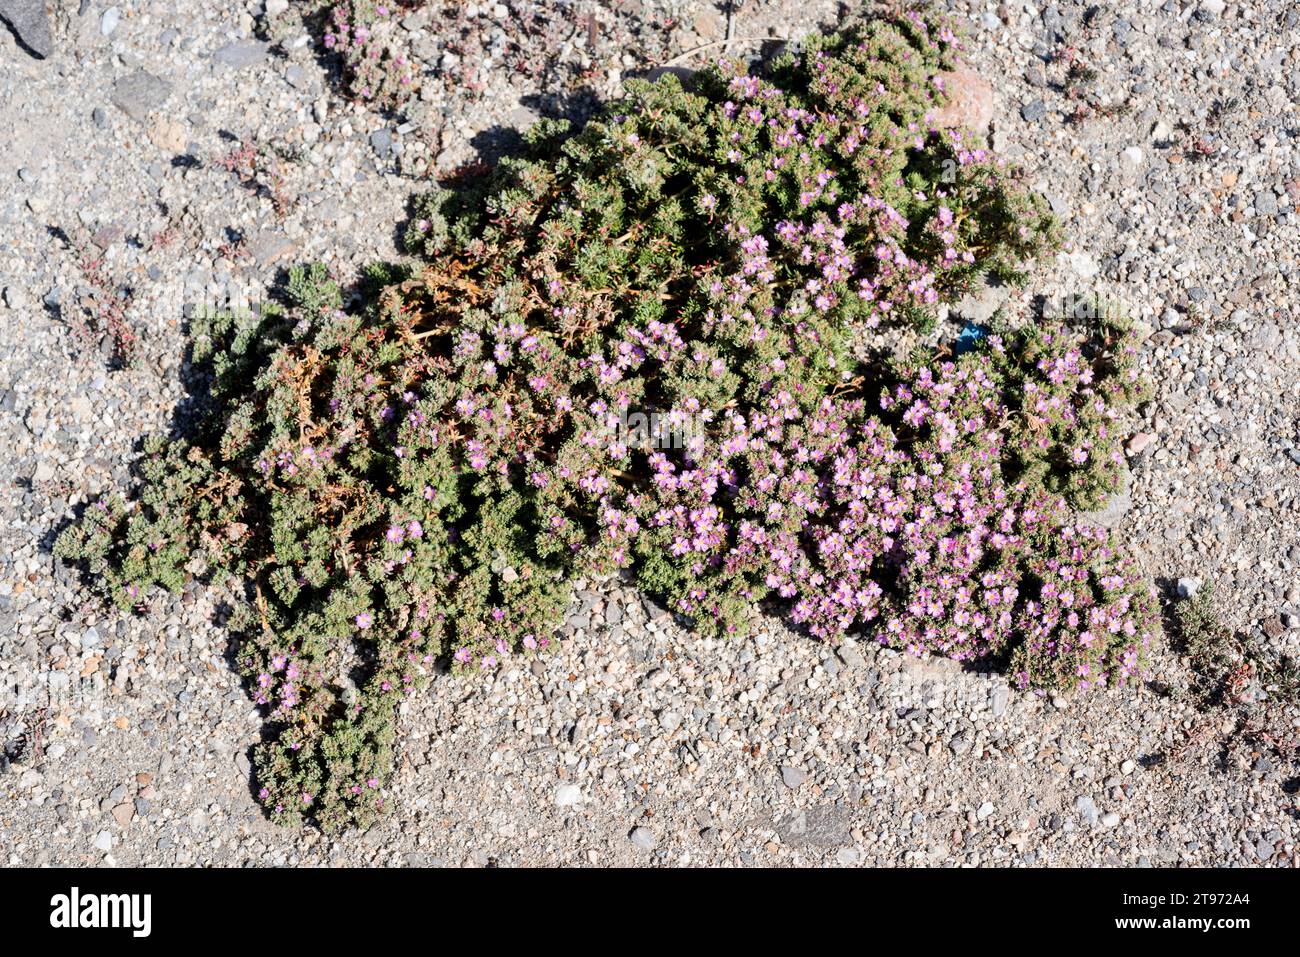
{"points": [[653, 344]]}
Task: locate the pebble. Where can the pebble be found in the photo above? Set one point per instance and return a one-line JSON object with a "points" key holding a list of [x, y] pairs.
{"points": [[30, 21], [568, 795], [1139, 443], [1087, 809], [139, 93], [1083, 264], [243, 54], [792, 776], [1033, 111], [381, 141], [643, 838]]}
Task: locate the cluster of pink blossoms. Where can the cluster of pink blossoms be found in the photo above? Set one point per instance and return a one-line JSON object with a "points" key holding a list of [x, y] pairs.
{"points": [[374, 70], [900, 525]]}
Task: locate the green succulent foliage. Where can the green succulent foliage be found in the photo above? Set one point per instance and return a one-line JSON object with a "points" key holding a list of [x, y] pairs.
{"points": [[417, 481]]}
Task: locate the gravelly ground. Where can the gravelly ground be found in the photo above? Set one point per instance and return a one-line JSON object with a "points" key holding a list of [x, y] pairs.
{"points": [[1177, 174]]}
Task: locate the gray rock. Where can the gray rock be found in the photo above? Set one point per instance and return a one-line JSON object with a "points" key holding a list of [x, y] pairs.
{"points": [[1188, 587], [653, 610], [108, 22], [850, 655], [269, 247], [1033, 111], [1059, 204], [381, 141], [297, 77], [643, 838], [792, 776], [1087, 809], [15, 298], [983, 300], [824, 826], [30, 23], [242, 54], [139, 93], [521, 117], [1265, 336]]}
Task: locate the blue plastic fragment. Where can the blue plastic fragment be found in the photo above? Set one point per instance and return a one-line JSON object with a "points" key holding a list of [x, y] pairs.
{"points": [[970, 334]]}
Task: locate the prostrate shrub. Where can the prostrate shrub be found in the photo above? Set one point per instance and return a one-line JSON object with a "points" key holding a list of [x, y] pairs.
{"points": [[653, 345]]}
